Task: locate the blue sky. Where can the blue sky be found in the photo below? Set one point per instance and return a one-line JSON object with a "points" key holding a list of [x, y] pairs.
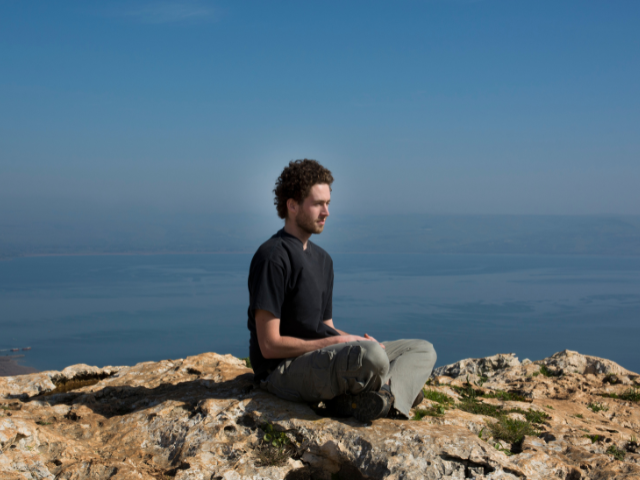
{"points": [[443, 106]]}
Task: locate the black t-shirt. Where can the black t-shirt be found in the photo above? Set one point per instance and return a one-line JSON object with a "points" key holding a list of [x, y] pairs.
{"points": [[296, 286]]}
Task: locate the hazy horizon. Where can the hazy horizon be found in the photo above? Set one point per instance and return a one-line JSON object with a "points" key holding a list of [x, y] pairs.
{"points": [[82, 231]]}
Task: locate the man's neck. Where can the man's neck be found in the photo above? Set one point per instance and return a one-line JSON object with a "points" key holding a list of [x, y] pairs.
{"points": [[293, 229]]}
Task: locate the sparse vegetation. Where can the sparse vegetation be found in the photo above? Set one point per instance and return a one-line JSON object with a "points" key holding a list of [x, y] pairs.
{"points": [[432, 411], [597, 407], [579, 415], [479, 408], [505, 396], [272, 436], [546, 372], [483, 378], [247, 362], [511, 430], [630, 395], [508, 429], [549, 407], [467, 392], [595, 438], [275, 449], [436, 396], [617, 453], [534, 416], [500, 448]]}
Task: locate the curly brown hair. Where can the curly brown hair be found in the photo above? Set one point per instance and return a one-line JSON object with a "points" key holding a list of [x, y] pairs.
{"points": [[296, 181]]}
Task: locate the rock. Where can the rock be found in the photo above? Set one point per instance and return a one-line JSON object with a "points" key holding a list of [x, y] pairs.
{"points": [[569, 361], [203, 418], [487, 366]]}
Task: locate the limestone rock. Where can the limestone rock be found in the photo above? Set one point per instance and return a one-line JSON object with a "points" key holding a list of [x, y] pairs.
{"points": [[488, 366], [203, 418], [569, 361]]}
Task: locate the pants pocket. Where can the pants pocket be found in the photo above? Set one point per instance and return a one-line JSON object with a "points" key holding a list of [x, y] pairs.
{"points": [[349, 360], [319, 378]]}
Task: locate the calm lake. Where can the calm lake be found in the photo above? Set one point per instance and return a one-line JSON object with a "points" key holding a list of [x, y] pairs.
{"points": [[120, 310]]}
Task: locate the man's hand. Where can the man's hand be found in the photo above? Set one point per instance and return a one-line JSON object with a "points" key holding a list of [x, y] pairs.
{"points": [[273, 345], [353, 338], [370, 338]]}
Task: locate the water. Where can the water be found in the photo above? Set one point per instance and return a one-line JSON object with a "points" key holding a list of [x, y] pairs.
{"points": [[120, 310]]}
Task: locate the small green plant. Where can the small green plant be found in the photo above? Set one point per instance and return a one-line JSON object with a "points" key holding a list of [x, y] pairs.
{"points": [[467, 392], [511, 430], [632, 394], [500, 448], [535, 416], [617, 453], [483, 378], [579, 415], [247, 362], [43, 422], [272, 436], [594, 438], [432, 411], [275, 449], [436, 396], [597, 407], [545, 371], [633, 439], [479, 408], [548, 406], [505, 396]]}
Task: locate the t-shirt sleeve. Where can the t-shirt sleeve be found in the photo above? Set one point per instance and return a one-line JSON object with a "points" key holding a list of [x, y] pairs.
{"points": [[328, 309], [266, 287]]}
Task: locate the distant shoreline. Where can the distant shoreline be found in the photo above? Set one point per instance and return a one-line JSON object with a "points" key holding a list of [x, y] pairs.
{"points": [[9, 366]]}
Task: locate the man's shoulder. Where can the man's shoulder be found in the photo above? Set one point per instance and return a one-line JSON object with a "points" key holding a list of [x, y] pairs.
{"points": [[321, 252], [272, 249]]}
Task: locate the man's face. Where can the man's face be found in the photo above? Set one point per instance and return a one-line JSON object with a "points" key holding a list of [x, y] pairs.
{"points": [[313, 211]]}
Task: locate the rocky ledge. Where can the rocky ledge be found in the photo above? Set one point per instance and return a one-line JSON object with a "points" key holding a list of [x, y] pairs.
{"points": [[569, 416]]}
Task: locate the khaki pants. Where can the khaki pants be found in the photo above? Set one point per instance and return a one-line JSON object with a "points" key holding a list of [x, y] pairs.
{"points": [[353, 368]]}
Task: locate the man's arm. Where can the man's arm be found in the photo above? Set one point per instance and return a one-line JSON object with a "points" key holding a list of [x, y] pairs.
{"points": [[366, 335], [329, 323], [273, 345]]}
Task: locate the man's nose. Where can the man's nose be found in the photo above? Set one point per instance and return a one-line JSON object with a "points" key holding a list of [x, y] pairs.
{"points": [[326, 211]]}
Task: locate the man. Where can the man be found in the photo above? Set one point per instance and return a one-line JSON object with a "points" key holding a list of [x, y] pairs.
{"points": [[296, 351]]}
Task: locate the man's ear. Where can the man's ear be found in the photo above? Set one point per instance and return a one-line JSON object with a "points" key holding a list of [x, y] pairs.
{"points": [[292, 206]]}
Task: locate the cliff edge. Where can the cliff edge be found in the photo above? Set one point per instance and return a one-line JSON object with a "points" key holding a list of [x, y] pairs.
{"points": [[569, 416]]}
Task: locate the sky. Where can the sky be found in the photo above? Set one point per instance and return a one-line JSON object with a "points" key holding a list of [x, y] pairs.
{"points": [[433, 106]]}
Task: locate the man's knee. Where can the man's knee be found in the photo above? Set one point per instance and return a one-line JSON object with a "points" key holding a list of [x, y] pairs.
{"points": [[420, 350], [374, 359], [426, 349]]}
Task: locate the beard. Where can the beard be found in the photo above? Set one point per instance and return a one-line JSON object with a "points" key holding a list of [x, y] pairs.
{"points": [[308, 224]]}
